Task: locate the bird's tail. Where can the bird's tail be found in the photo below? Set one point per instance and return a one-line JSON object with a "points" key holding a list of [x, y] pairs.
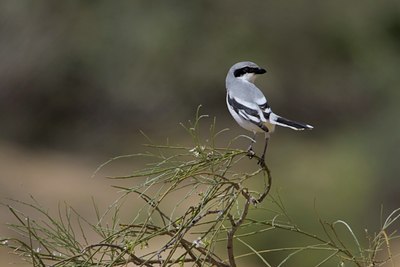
{"points": [[298, 126]]}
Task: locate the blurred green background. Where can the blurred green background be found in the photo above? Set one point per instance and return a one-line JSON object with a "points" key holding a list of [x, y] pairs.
{"points": [[79, 79]]}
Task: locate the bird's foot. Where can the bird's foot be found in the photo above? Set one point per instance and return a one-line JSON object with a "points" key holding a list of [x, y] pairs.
{"points": [[261, 161], [250, 152]]}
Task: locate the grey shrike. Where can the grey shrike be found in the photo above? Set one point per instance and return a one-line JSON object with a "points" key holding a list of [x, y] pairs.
{"points": [[249, 107]]}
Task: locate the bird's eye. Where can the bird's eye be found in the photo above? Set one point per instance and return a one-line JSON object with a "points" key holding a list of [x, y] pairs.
{"points": [[240, 72]]}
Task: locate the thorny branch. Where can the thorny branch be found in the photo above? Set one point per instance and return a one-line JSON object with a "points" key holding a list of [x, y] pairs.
{"points": [[235, 224]]}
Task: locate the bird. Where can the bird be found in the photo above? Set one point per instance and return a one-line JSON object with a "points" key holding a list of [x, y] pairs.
{"points": [[249, 107]]}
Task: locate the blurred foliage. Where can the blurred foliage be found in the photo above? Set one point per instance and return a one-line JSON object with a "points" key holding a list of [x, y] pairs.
{"points": [[78, 73]]}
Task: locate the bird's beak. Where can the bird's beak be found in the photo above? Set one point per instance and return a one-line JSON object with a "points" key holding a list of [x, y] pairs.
{"points": [[260, 71]]}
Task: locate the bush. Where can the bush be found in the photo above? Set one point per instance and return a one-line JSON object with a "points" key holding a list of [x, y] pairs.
{"points": [[193, 204]]}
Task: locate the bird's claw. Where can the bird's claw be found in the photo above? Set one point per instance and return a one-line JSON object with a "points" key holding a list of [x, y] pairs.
{"points": [[261, 162], [250, 153]]}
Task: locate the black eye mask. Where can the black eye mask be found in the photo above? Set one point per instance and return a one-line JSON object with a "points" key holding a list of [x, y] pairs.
{"points": [[242, 71]]}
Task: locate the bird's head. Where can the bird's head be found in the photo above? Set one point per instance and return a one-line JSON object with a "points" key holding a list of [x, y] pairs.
{"points": [[246, 71]]}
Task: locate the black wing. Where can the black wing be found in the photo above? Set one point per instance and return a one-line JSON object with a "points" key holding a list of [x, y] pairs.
{"points": [[248, 113]]}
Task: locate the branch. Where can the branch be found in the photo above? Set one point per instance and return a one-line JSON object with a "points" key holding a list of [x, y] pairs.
{"points": [[249, 200]]}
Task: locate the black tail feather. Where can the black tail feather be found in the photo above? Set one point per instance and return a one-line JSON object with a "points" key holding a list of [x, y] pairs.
{"points": [[293, 124]]}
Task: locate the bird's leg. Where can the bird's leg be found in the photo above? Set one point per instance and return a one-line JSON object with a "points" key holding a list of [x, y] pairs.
{"points": [[261, 161], [250, 152]]}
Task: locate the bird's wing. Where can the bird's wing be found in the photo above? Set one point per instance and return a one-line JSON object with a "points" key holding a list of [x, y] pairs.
{"points": [[253, 112], [265, 108]]}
